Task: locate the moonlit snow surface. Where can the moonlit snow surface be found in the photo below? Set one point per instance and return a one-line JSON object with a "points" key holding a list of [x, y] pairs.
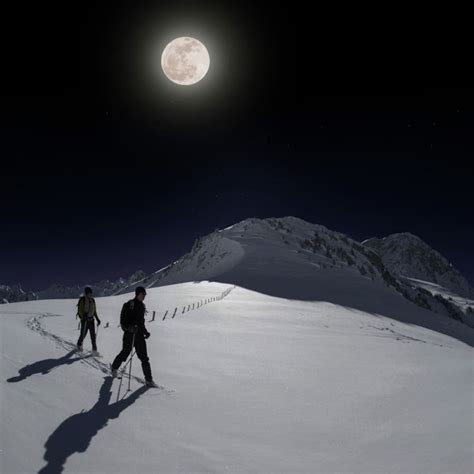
{"points": [[185, 61], [250, 383]]}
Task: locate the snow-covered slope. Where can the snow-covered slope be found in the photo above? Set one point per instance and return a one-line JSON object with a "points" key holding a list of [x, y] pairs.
{"points": [[465, 304], [292, 258], [267, 248], [406, 255], [288, 257], [250, 383]]}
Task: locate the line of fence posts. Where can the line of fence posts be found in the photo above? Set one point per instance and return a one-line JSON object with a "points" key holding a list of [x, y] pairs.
{"points": [[198, 305]]}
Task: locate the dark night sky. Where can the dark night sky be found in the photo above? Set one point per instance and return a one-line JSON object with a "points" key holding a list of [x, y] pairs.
{"points": [[107, 167]]}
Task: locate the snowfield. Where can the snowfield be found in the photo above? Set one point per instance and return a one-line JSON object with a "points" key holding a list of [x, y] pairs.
{"points": [[250, 383]]}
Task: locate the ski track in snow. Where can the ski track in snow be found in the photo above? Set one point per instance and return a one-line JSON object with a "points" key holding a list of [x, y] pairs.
{"points": [[401, 337], [323, 386], [34, 324]]}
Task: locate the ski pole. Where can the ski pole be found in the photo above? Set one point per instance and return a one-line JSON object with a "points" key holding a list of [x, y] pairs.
{"points": [[124, 368], [126, 363], [130, 368], [121, 378]]}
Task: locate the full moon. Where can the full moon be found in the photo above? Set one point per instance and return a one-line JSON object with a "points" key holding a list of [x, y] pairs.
{"points": [[185, 61]]}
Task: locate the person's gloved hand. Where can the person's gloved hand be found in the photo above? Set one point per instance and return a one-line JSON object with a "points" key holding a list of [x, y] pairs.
{"points": [[98, 322], [146, 334]]}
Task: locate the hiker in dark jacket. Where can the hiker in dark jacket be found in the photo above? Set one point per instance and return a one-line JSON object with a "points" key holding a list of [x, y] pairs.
{"points": [[87, 311], [132, 321]]}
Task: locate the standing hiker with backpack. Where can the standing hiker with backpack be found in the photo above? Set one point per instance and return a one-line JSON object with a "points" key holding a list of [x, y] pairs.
{"points": [[132, 321], [87, 311]]}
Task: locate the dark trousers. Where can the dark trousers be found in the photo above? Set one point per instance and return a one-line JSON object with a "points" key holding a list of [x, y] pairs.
{"points": [[140, 346], [87, 325]]}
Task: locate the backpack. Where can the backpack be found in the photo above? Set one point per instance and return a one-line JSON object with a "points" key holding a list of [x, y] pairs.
{"points": [[77, 305], [81, 299]]}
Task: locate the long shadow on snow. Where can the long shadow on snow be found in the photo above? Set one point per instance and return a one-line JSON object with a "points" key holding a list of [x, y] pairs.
{"points": [[44, 366], [360, 294], [75, 434]]}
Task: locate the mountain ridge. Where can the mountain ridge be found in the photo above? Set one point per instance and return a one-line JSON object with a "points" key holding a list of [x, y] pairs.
{"points": [[293, 258]]}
